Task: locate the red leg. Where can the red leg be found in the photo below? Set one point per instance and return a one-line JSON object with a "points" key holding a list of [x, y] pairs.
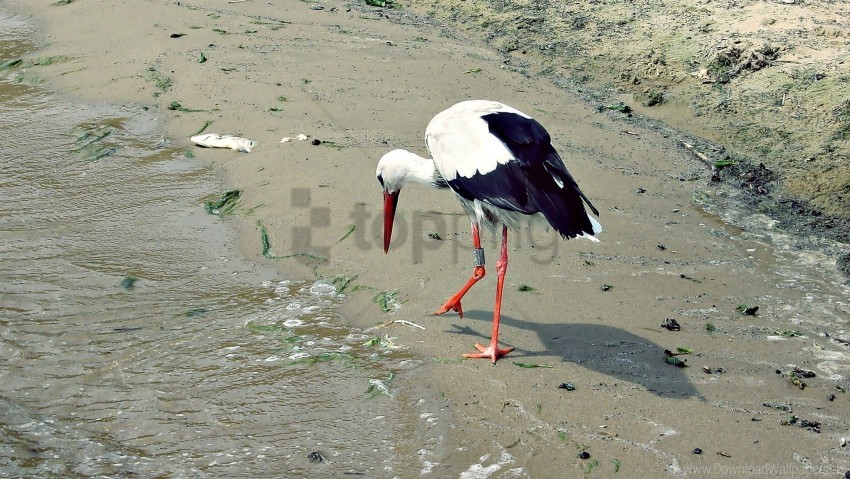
{"points": [[492, 351], [454, 302]]}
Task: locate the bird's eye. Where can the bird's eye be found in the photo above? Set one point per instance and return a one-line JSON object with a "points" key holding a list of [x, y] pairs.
{"points": [[381, 180]]}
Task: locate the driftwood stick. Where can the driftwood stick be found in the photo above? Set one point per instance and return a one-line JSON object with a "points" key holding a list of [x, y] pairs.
{"points": [[696, 153], [715, 171]]}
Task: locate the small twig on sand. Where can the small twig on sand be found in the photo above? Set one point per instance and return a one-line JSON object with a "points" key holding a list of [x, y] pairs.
{"points": [[698, 154], [400, 321], [715, 171]]}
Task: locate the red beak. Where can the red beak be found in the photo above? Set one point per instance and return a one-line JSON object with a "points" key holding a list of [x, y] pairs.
{"points": [[390, 202]]}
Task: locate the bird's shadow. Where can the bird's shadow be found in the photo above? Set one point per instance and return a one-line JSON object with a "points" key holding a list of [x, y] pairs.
{"points": [[605, 349]]}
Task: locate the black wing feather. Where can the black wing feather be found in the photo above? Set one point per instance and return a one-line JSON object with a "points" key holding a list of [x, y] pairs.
{"points": [[528, 185]]}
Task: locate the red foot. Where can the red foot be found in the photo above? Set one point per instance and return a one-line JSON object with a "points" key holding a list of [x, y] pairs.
{"points": [[492, 351], [453, 305], [454, 302]]}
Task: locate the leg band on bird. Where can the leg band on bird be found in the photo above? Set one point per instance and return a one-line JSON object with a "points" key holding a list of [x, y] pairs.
{"points": [[478, 256], [453, 304]]}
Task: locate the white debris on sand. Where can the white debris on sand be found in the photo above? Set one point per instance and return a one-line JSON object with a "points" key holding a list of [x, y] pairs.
{"points": [[301, 137], [214, 140]]}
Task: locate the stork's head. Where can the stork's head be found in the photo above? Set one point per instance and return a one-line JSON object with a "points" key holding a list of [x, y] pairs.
{"points": [[392, 172]]}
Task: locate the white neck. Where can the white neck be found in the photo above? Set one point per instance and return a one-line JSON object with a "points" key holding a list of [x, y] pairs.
{"points": [[422, 170], [409, 166]]}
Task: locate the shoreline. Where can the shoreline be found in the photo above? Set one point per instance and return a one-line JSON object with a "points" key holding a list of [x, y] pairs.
{"points": [[347, 78]]}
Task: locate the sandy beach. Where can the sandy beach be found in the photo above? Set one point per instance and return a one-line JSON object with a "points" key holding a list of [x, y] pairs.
{"points": [[763, 391]]}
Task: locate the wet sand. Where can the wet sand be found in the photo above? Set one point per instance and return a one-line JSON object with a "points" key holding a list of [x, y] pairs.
{"points": [[365, 80]]}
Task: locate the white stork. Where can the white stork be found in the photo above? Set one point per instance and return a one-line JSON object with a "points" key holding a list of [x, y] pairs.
{"points": [[505, 172]]}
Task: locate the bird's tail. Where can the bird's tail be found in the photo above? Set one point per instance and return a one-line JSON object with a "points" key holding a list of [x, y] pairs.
{"points": [[564, 209]]}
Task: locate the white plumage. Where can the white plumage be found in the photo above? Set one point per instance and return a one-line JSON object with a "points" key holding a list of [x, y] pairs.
{"points": [[460, 142]]}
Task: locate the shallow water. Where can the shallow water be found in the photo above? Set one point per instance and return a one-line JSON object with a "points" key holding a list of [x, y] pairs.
{"points": [[133, 339]]}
